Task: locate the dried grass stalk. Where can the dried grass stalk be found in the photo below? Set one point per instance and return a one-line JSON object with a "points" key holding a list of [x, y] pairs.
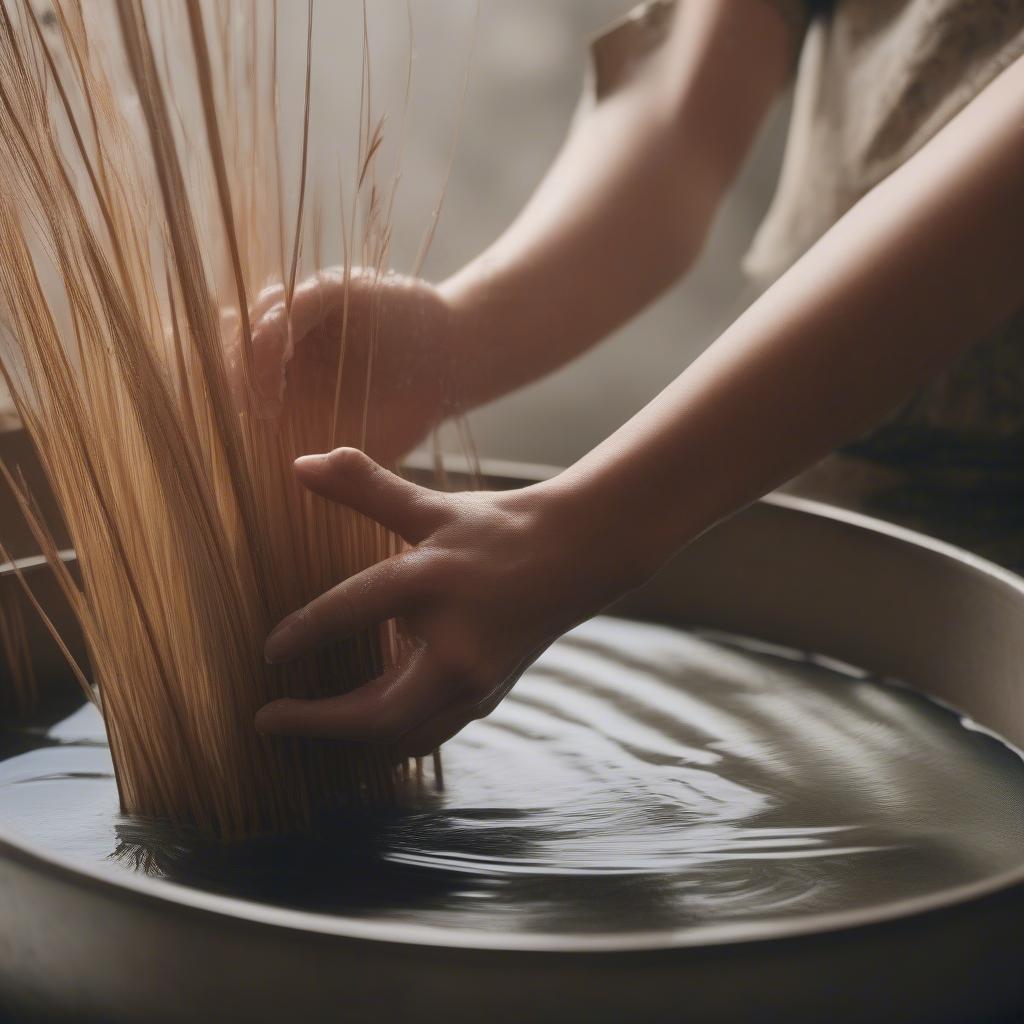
{"points": [[133, 245], [20, 689]]}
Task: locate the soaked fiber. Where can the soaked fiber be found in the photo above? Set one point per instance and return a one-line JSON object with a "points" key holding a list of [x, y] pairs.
{"points": [[638, 778]]}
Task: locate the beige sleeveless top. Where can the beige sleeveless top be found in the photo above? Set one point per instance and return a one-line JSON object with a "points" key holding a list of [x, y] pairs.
{"points": [[874, 81]]}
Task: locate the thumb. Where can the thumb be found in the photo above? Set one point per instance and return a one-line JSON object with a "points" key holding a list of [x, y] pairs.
{"points": [[352, 478]]}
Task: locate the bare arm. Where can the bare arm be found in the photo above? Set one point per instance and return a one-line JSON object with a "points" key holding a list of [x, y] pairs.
{"points": [[622, 213], [628, 203], [926, 264], [921, 268]]}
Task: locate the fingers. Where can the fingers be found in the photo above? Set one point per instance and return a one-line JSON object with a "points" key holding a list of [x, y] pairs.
{"points": [[434, 732], [271, 350], [351, 478], [380, 711], [426, 738], [313, 302], [384, 591], [320, 297], [276, 330]]}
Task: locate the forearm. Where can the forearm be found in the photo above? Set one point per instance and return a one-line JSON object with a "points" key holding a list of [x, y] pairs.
{"points": [[921, 268], [626, 206], [928, 263]]}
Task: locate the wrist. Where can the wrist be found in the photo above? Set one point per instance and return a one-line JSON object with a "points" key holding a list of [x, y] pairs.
{"points": [[596, 534], [468, 332], [629, 521], [502, 328]]}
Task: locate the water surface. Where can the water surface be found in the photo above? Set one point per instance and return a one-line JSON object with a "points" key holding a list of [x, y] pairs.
{"points": [[638, 778]]}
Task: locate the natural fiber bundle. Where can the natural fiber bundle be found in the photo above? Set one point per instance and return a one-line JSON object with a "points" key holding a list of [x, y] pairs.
{"points": [[135, 251], [20, 689]]}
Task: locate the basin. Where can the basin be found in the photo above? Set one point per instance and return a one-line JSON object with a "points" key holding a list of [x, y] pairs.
{"points": [[85, 942]]}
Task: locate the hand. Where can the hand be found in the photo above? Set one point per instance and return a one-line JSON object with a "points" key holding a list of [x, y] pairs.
{"points": [[398, 358], [490, 581]]}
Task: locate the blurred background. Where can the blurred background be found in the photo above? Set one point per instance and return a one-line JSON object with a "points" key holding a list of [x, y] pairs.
{"points": [[526, 70]]}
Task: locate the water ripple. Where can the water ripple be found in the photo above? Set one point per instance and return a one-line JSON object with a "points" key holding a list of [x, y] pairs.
{"points": [[638, 777]]}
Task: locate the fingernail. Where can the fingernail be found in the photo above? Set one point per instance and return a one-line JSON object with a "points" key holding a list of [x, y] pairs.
{"points": [[264, 720], [311, 462], [276, 646], [274, 719]]}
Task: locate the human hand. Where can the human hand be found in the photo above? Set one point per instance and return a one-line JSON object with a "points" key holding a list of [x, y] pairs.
{"points": [[397, 380], [491, 579]]}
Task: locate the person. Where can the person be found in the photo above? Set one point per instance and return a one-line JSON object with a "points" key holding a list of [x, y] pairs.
{"points": [[896, 237]]}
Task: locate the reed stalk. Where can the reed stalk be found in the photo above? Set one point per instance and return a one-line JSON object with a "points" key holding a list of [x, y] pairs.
{"points": [[142, 221]]}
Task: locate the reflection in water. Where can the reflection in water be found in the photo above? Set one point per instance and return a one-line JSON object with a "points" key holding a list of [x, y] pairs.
{"points": [[638, 778]]}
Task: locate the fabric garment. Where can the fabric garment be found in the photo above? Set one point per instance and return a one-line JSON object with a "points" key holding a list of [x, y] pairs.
{"points": [[874, 81]]}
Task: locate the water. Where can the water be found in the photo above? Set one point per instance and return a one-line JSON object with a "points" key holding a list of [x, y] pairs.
{"points": [[639, 778]]}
